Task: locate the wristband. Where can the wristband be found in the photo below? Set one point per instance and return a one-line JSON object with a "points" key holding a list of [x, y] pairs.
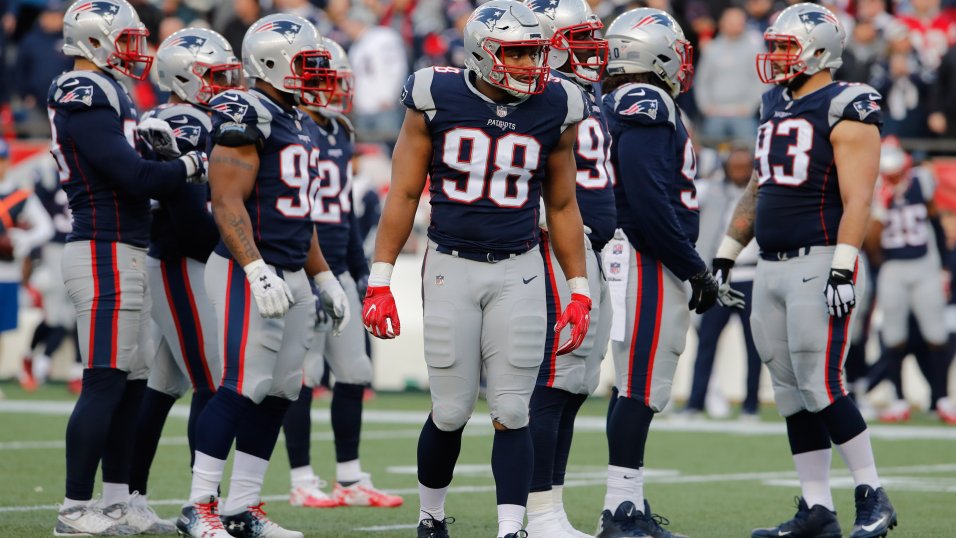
{"points": [[380, 274], [845, 257], [729, 248], [253, 267], [323, 277], [579, 285]]}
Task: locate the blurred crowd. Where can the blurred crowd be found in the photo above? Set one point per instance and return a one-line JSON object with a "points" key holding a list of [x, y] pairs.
{"points": [[904, 48]]}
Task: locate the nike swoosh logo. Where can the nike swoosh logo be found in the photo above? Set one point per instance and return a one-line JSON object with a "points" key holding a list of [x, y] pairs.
{"points": [[629, 477], [526, 280], [231, 97], [783, 533], [877, 523], [809, 279], [73, 82], [179, 120], [638, 93]]}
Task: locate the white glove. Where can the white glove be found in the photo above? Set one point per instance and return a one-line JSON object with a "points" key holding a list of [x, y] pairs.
{"points": [[272, 294], [159, 136], [334, 301], [196, 165]]}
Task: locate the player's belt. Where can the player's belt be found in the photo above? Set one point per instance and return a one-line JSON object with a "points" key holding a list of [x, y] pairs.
{"points": [[487, 257], [784, 255]]}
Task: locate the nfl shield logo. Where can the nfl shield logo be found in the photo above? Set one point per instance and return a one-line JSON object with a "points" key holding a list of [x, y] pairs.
{"points": [[615, 268], [440, 280], [618, 249], [501, 111]]}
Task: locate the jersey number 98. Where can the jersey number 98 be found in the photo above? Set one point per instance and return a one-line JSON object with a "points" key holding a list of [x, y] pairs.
{"points": [[514, 156]]}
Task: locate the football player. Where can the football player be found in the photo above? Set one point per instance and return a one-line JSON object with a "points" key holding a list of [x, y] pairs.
{"points": [[650, 65], [93, 123], [258, 275], [194, 65], [495, 138], [579, 56], [344, 348], [808, 204]]}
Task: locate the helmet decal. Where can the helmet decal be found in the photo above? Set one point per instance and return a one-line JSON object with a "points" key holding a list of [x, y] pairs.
{"points": [[192, 43], [287, 29], [811, 19], [655, 18], [107, 10]]}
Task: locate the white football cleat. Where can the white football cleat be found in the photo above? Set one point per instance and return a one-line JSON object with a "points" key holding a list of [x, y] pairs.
{"points": [[546, 526], [88, 521], [141, 517], [568, 527]]}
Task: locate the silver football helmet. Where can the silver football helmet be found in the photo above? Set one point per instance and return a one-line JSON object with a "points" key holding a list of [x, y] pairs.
{"points": [[647, 40], [496, 31], [571, 25], [344, 89], [196, 64], [804, 39], [286, 52], [109, 34]]}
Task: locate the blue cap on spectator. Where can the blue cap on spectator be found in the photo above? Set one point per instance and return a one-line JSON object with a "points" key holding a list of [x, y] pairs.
{"points": [[4, 149]]}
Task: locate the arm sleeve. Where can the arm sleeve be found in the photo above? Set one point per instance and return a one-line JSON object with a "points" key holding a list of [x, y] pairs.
{"points": [[644, 176], [113, 157]]}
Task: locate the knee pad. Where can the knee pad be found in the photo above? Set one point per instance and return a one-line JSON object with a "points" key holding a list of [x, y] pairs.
{"points": [[451, 416], [510, 410]]}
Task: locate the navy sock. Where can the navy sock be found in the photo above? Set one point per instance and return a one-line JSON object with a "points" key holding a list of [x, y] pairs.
{"points": [[346, 414], [627, 433], [565, 435], [298, 429], [39, 334], [118, 455], [842, 420], [88, 430], [219, 423], [259, 435], [807, 432], [546, 405], [511, 463], [610, 406], [437, 454], [149, 427], [54, 339], [885, 366], [200, 399]]}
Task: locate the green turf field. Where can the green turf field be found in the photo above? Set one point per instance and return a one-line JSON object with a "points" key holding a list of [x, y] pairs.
{"points": [[712, 479]]}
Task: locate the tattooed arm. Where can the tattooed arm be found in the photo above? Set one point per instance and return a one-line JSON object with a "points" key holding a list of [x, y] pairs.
{"points": [[232, 176], [741, 228]]}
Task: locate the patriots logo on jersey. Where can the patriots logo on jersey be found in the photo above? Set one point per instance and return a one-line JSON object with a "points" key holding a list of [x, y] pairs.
{"points": [[812, 19], [192, 43], [82, 94], [657, 18], [287, 29], [189, 133], [234, 110], [107, 10], [648, 107], [865, 108], [488, 17]]}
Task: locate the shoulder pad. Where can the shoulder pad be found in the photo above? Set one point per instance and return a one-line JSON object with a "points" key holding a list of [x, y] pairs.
{"points": [[238, 107], [642, 104], [768, 101], [855, 102], [190, 125], [417, 92], [84, 90], [573, 96]]}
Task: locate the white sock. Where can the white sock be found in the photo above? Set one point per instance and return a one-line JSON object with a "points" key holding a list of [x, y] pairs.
{"points": [[137, 500], [245, 485], [557, 497], [624, 484], [72, 503], [432, 502], [858, 455], [207, 475], [348, 472], [813, 469], [510, 518], [540, 504], [302, 477], [115, 493]]}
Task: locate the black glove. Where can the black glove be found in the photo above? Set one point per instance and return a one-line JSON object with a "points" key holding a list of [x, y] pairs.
{"points": [[840, 293], [703, 293], [726, 296]]}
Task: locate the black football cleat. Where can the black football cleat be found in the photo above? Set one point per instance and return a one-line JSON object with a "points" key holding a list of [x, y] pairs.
{"points": [[816, 522], [434, 528], [520, 534], [875, 515], [620, 524]]}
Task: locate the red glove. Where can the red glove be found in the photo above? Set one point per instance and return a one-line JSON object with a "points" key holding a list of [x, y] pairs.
{"points": [[577, 313], [379, 313]]}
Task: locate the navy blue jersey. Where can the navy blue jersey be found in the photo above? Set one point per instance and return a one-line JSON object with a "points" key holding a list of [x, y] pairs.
{"points": [[108, 183], [655, 166], [904, 213], [57, 205], [595, 177], [182, 223], [488, 159], [798, 201], [331, 191], [279, 206]]}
